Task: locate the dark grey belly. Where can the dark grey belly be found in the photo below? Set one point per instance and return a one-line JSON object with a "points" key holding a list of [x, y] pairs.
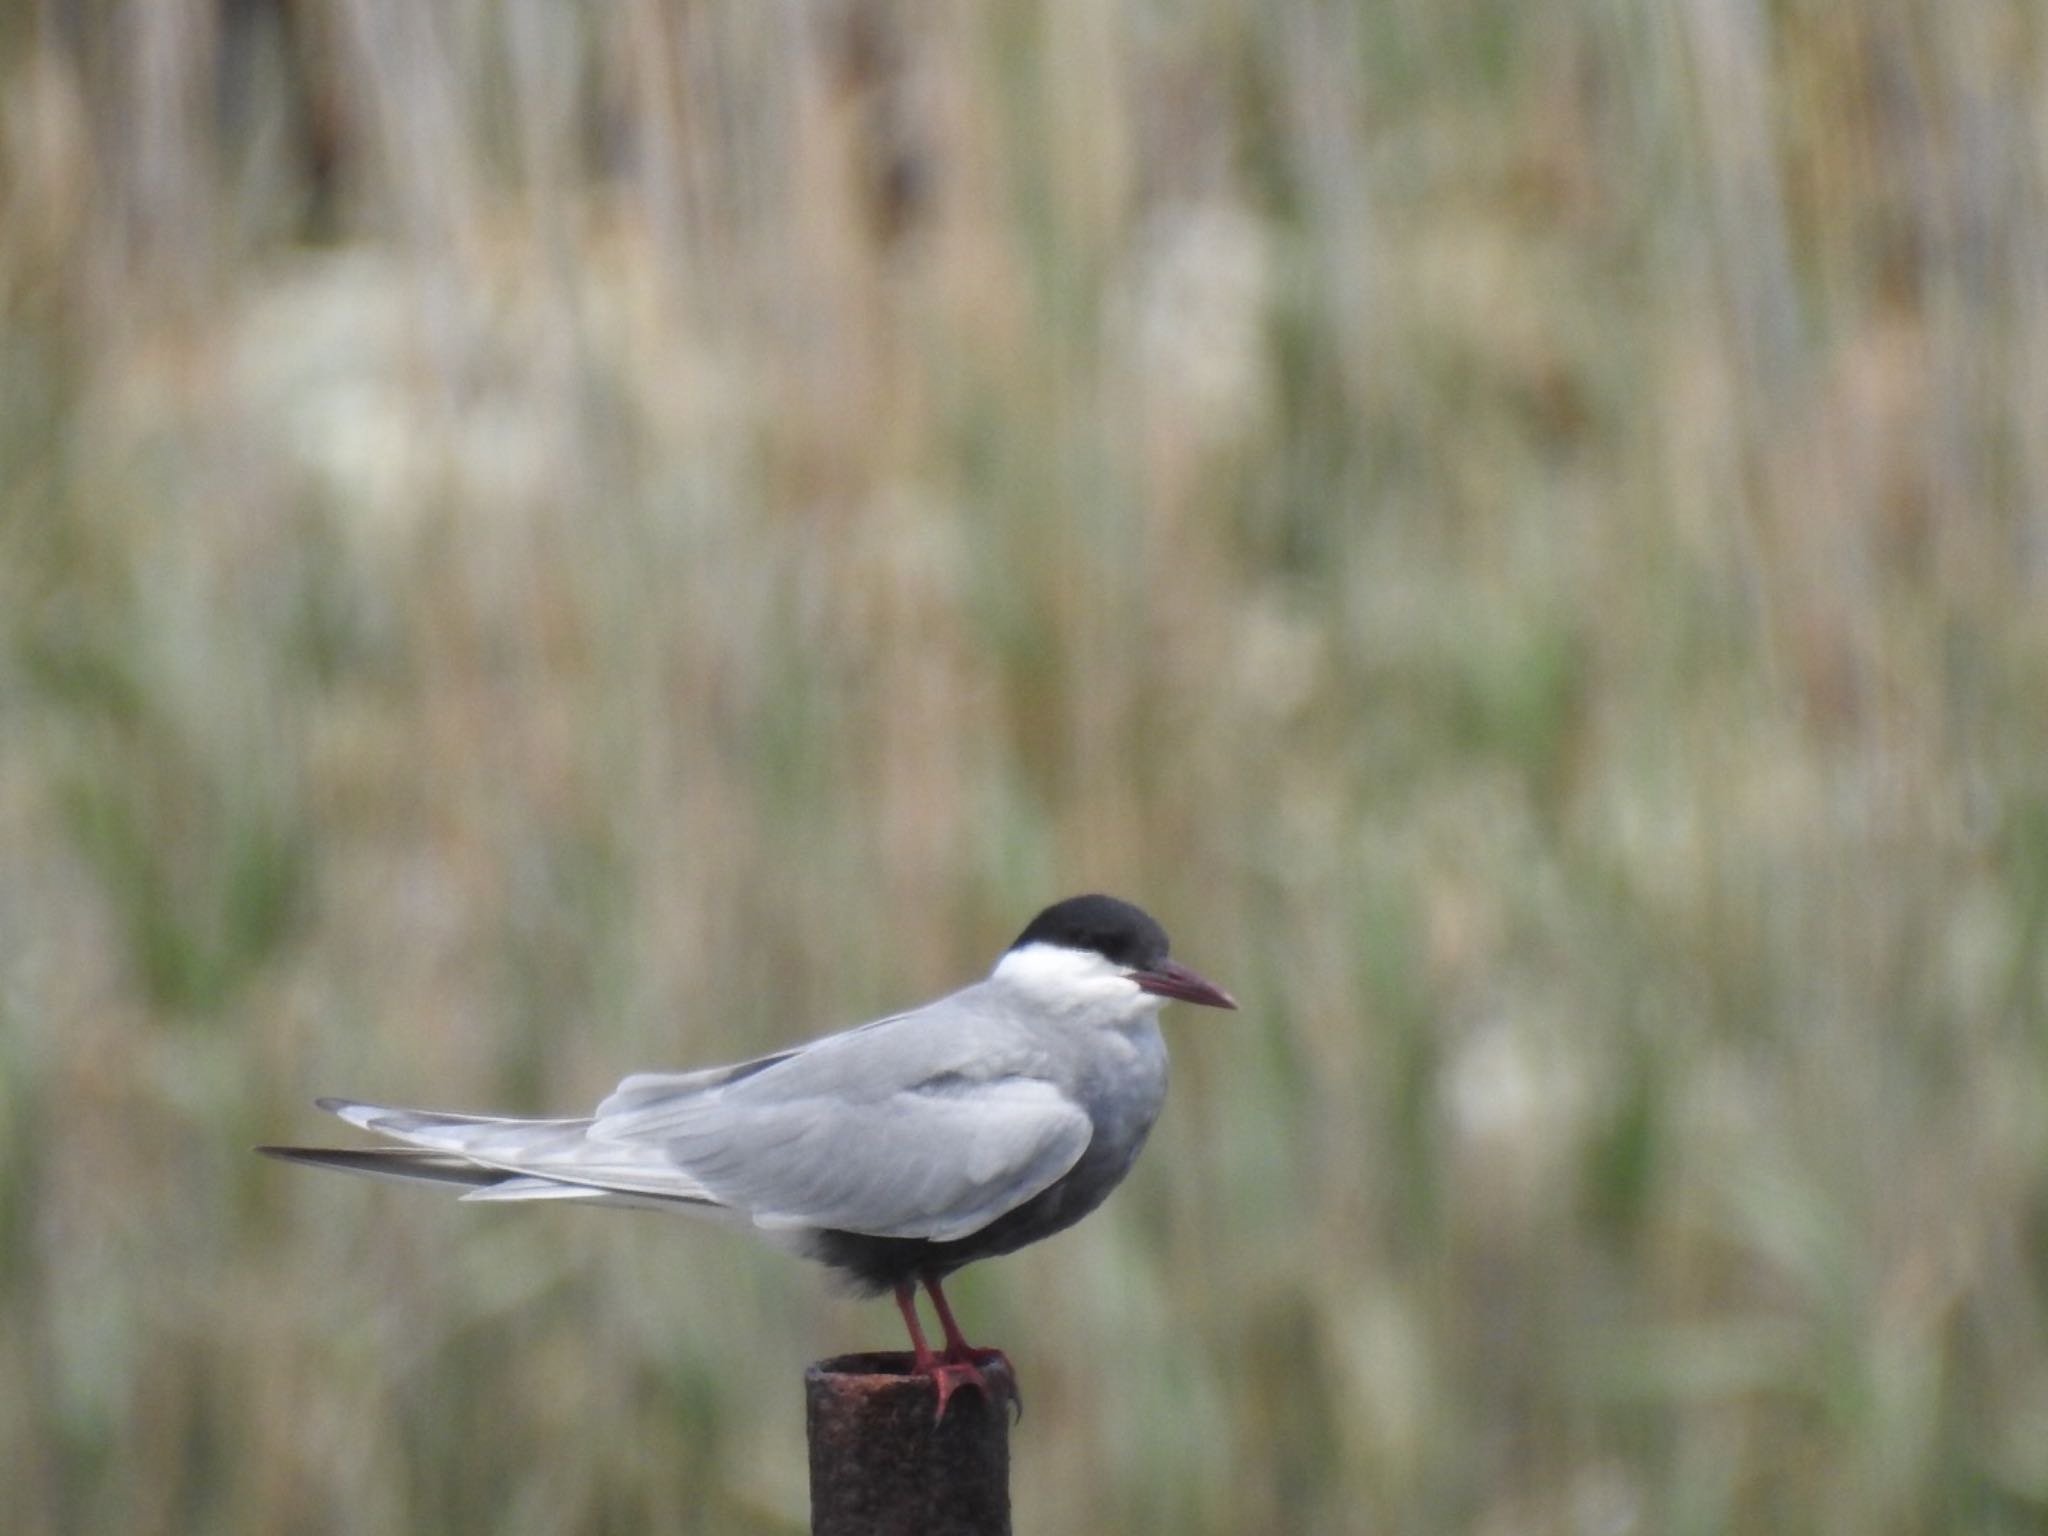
{"points": [[880, 1263]]}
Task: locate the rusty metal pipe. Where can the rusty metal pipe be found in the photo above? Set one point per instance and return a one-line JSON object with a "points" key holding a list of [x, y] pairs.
{"points": [[882, 1466]]}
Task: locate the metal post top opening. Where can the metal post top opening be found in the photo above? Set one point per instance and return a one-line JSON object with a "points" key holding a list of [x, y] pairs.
{"points": [[880, 1366]]}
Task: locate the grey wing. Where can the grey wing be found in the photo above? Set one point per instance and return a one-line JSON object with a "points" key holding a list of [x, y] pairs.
{"points": [[938, 1160], [648, 1099], [657, 1091], [924, 1125], [562, 1151]]}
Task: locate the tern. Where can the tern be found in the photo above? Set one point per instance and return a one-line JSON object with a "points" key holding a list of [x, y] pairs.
{"points": [[894, 1152]]}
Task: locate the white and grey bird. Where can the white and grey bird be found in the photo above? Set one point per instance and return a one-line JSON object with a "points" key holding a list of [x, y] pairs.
{"points": [[894, 1152]]}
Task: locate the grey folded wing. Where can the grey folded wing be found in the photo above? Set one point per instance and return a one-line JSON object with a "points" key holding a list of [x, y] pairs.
{"points": [[521, 1154], [936, 1160]]}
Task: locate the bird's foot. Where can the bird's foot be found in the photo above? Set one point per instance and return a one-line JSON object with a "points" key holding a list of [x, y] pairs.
{"points": [[948, 1376], [988, 1371], [995, 1365]]}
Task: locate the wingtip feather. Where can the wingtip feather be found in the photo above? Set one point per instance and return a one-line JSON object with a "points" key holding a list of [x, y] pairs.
{"points": [[354, 1111]]}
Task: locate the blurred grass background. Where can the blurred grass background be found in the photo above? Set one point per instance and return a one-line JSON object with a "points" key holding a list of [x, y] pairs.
{"points": [[543, 539]]}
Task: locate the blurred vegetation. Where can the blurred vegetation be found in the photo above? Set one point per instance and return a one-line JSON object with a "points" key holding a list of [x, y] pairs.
{"points": [[543, 539]]}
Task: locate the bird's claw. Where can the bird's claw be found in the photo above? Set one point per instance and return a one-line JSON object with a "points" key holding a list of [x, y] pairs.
{"points": [[975, 1368], [993, 1362]]}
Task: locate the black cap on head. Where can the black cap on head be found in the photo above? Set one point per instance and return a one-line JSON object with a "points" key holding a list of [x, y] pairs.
{"points": [[1116, 930]]}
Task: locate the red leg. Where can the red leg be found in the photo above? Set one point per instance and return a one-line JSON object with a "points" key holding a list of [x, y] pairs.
{"points": [[947, 1372], [921, 1352], [959, 1351]]}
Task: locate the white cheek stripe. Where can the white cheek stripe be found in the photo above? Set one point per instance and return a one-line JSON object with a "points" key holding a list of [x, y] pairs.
{"points": [[1064, 976]]}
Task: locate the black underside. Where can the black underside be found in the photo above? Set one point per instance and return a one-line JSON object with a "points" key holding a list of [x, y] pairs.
{"points": [[876, 1264]]}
